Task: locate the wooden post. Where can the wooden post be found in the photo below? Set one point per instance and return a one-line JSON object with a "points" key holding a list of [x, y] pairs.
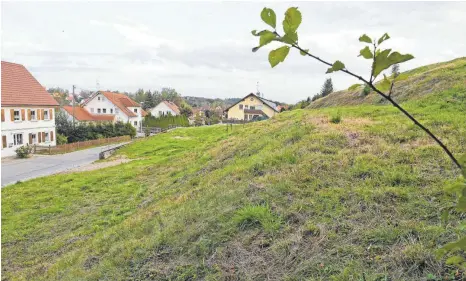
{"points": [[50, 149]]}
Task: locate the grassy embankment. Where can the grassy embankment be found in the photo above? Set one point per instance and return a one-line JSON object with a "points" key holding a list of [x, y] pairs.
{"points": [[293, 198]]}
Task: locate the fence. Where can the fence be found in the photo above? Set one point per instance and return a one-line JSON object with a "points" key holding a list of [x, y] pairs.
{"points": [[69, 147], [156, 130]]}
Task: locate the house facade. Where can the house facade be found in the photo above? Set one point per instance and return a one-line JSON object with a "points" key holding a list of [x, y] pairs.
{"points": [[251, 107], [106, 106], [27, 110], [165, 108]]}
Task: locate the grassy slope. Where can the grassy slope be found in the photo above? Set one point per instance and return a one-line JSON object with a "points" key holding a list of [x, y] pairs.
{"points": [[410, 85], [292, 198]]}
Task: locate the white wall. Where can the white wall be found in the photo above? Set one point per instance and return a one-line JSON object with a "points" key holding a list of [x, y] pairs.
{"points": [[25, 127], [104, 103], [95, 104], [165, 109]]}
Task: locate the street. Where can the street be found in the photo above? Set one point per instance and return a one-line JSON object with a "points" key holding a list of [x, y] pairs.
{"points": [[43, 165]]}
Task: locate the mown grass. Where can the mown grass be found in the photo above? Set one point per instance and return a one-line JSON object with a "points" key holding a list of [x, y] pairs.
{"points": [[296, 197]]}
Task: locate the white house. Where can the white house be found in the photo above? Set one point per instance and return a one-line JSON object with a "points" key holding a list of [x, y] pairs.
{"points": [[27, 110], [110, 107], [165, 108]]}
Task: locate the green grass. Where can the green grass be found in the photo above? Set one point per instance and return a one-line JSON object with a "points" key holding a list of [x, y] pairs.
{"points": [[296, 197]]}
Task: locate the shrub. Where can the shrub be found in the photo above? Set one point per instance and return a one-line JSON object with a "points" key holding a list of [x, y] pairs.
{"points": [[23, 151], [257, 215], [61, 139], [335, 118], [366, 90]]}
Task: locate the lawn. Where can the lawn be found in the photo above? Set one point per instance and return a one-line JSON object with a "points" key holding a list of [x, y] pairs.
{"points": [[296, 197]]}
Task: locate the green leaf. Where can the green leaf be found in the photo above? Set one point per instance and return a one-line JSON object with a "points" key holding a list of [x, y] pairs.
{"points": [[278, 55], [365, 38], [303, 53], [269, 17], [338, 65], [366, 53], [266, 38], [383, 38], [384, 60], [292, 20], [290, 38], [255, 33]]}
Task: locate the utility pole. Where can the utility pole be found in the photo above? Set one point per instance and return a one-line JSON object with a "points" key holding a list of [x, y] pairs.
{"points": [[74, 116]]}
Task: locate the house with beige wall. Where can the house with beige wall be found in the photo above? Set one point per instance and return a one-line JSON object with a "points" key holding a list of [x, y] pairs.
{"points": [[251, 107]]}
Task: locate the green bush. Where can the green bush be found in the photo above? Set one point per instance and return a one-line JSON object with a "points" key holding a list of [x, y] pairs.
{"points": [[354, 87], [23, 151], [61, 139], [335, 118], [366, 90]]}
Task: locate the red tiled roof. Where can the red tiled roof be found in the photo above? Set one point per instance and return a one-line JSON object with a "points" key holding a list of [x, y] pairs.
{"points": [[172, 106], [83, 115], [122, 101], [19, 87]]}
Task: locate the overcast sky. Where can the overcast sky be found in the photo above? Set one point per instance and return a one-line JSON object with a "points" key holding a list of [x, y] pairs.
{"points": [[204, 48]]}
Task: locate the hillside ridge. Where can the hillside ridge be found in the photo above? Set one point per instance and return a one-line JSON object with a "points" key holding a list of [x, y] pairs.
{"points": [[411, 84]]}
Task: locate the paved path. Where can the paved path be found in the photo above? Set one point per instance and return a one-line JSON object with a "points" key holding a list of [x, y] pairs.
{"points": [[42, 165]]}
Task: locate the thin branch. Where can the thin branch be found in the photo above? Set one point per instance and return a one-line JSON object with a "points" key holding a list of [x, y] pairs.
{"points": [[437, 140], [391, 88], [373, 64]]}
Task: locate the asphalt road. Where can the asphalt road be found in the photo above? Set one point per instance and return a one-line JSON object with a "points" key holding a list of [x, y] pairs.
{"points": [[14, 170]]}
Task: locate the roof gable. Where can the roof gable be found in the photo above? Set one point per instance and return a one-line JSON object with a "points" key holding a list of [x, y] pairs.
{"points": [[19, 87], [122, 102], [268, 103]]}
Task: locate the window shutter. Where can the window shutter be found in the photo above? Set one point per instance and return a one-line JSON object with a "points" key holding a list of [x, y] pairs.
{"points": [[23, 114], [29, 114], [51, 135], [43, 133], [3, 115], [4, 141], [30, 138], [12, 113], [51, 114], [41, 114], [39, 135]]}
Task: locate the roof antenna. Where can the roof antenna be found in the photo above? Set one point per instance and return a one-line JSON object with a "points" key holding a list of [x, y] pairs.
{"points": [[257, 87], [97, 84]]}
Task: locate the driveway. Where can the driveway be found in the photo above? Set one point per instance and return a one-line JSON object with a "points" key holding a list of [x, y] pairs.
{"points": [[43, 165]]}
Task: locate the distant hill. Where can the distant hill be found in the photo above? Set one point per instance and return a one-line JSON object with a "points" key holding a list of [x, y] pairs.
{"points": [[200, 101], [411, 84]]}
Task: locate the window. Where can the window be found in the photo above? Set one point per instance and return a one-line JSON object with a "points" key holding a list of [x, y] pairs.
{"points": [[46, 138], [160, 113], [117, 110], [259, 107], [245, 117], [17, 116], [98, 110], [46, 115], [135, 123], [246, 107], [104, 110], [252, 107], [33, 115], [33, 138], [240, 106], [92, 110], [18, 139], [135, 110], [111, 110], [98, 98], [251, 99]]}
